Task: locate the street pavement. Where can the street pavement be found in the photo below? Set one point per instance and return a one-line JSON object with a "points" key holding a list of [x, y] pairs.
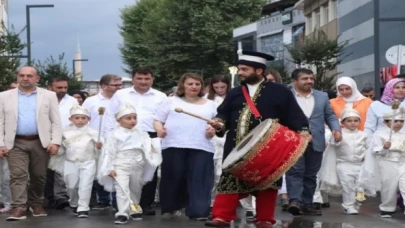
{"points": [[332, 218]]}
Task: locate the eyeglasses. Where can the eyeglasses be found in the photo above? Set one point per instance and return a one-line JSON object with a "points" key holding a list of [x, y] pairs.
{"points": [[115, 85]]}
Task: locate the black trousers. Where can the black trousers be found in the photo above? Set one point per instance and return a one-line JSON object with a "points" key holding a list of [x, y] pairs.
{"points": [[149, 189]]}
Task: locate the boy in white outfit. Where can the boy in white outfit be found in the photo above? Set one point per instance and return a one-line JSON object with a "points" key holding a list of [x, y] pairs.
{"points": [[350, 154], [388, 144], [79, 152], [124, 160], [5, 194]]}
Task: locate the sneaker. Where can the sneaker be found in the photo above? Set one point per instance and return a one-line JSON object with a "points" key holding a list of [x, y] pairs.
{"points": [[250, 216], [74, 210], [136, 217], [83, 214], [101, 206], [351, 211], [38, 211], [17, 214], [326, 205], [120, 220], [386, 214]]}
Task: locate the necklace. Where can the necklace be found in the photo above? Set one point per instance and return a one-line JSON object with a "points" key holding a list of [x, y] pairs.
{"points": [[194, 100]]}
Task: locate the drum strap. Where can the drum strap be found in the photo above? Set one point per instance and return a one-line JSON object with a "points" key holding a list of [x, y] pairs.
{"points": [[252, 105]]}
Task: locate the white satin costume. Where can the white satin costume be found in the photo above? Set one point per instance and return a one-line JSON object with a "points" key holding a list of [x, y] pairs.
{"points": [[77, 161], [130, 154]]}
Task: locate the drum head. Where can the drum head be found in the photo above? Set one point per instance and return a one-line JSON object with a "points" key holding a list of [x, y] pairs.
{"points": [[247, 143]]}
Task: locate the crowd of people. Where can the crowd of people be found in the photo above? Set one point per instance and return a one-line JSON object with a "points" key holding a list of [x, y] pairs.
{"points": [[128, 148]]}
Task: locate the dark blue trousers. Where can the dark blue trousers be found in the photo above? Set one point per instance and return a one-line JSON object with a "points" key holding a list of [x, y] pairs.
{"points": [[186, 181], [301, 178]]}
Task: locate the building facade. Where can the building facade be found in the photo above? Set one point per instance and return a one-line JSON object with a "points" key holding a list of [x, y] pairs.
{"points": [[4, 16]]}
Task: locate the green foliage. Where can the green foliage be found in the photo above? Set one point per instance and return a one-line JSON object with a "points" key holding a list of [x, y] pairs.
{"points": [[176, 36], [323, 53], [10, 44], [52, 67]]}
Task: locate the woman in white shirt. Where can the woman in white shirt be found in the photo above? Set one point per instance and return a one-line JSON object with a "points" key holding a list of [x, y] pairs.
{"points": [[394, 91], [187, 170]]}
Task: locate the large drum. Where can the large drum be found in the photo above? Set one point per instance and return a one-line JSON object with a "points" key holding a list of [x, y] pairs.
{"points": [[265, 154]]}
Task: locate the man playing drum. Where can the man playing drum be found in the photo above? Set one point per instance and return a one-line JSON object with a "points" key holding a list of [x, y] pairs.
{"points": [[244, 108]]}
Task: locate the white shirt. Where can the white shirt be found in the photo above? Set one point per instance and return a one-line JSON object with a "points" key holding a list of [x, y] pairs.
{"points": [[397, 150], [253, 88], [306, 103], [184, 131], [353, 146], [65, 105], [145, 104], [93, 104], [79, 144]]}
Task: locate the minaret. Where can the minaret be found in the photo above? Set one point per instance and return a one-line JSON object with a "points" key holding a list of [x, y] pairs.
{"points": [[78, 64]]}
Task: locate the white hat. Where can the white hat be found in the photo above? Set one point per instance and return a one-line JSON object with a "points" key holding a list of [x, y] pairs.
{"points": [[79, 110], [125, 110], [399, 115], [349, 112]]}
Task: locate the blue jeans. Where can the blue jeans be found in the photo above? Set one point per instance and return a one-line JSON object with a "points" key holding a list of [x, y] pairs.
{"points": [[301, 178], [103, 196]]}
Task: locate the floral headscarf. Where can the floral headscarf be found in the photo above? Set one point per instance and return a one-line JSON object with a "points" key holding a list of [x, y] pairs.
{"points": [[388, 95]]}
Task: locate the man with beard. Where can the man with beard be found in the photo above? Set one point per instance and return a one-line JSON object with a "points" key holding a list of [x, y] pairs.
{"points": [[301, 178], [55, 189], [272, 101]]}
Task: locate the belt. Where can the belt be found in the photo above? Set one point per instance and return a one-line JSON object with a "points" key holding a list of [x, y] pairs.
{"points": [[27, 137], [152, 134]]}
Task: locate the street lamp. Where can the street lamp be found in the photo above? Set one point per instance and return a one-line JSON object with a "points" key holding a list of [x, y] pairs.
{"points": [[27, 8], [74, 67]]}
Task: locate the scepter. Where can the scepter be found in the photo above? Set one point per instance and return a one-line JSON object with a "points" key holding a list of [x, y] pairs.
{"points": [[101, 111], [394, 107]]}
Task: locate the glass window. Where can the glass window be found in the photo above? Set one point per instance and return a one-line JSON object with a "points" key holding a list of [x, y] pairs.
{"points": [[273, 45]]}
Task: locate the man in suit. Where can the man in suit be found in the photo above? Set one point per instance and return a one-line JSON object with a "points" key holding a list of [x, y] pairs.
{"points": [[301, 178], [30, 131]]}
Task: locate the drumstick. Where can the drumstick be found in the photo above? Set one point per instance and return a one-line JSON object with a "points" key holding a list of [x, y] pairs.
{"points": [[180, 110]]}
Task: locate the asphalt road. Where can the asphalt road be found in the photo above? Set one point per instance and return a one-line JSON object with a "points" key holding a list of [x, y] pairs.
{"points": [[332, 218]]}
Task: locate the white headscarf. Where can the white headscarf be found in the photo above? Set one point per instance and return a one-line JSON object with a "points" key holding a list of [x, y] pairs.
{"points": [[356, 95]]}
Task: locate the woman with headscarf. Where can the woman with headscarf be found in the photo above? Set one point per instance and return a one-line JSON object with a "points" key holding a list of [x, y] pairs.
{"points": [[394, 91], [350, 97]]}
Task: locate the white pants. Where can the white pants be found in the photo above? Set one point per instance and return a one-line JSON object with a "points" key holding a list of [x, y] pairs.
{"points": [[283, 189], [129, 169], [320, 196], [249, 203], [79, 177], [5, 193], [348, 174], [389, 173]]}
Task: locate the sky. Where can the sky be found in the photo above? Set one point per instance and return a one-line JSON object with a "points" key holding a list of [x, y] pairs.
{"points": [[56, 30]]}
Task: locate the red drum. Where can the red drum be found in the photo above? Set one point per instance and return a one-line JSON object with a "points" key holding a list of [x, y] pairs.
{"points": [[265, 154]]}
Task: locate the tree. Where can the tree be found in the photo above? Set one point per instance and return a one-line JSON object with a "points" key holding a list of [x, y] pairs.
{"points": [[10, 44], [175, 36], [52, 67], [322, 53]]}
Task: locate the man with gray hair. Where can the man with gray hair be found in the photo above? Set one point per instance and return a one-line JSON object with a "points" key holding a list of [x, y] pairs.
{"points": [[109, 83]]}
